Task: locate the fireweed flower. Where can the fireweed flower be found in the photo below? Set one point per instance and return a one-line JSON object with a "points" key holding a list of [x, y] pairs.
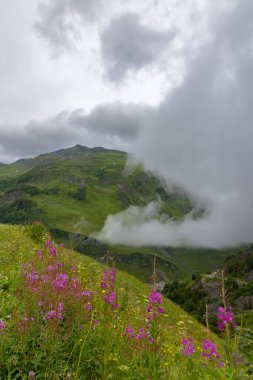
{"points": [[188, 348], [107, 284], [39, 255], [109, 277], [155, 297], [140, 334], [86, 293], [52, 251], [2, 325], [61, 281], [209, 350], [58, 265], [225, 316], [60, 306], [111, 298], [47, 243], [129, 332]]}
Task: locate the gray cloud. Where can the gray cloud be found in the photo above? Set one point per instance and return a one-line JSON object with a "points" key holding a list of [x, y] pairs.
{"points": [[113, 125], [57, 20], [127, 45], [122, 120], [201, 138]]}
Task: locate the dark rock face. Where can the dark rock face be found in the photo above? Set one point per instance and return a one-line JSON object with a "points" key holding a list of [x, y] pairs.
{"points": [[244, 303], [212, 288], [11, 196]]}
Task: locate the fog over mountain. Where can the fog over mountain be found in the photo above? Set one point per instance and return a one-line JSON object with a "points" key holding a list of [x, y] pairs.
{"points": [[172, 85]]}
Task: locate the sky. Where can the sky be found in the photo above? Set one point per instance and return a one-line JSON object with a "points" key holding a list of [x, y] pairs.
{"points": [[169, 81]]}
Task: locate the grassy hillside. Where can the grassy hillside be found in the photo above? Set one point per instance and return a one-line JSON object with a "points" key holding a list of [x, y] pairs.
{"points": [[73, 190], [64, 316]]}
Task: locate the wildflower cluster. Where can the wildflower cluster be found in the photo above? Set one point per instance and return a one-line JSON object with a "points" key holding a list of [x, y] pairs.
{"points": [[107, 286], [154, 310], [155, 299], [188, 348], [225, 316], [53, 285], [209, 350]]}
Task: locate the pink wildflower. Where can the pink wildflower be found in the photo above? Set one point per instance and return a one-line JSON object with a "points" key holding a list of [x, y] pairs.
{"points": [[209, 350], [188, 347], [2, 325], [155, 297], [225, 317]]}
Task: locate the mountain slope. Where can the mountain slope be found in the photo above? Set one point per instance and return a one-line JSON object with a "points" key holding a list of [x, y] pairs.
{"points": [[73, 190], [78, 187], [88, 338]]}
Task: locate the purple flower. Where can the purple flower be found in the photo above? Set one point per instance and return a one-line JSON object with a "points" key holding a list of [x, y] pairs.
{"points": [[188, 347], [39, 255], [129, 332], [209, 350], [61, 281], [225, 316], [108, 279], [155, 297], [2, 325], [86, 293], [52, 251], [88, 306], [51, 314], [111, 298], [60, 306]]}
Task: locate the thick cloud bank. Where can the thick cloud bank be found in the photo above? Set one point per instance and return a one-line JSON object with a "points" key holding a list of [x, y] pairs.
{"points": [[201, 138]]}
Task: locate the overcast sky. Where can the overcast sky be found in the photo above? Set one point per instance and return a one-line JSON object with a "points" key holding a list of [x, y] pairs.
{"points": [[169, 81]]}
